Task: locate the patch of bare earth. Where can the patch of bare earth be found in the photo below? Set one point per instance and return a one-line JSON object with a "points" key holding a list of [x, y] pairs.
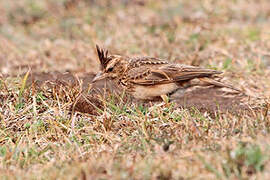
{"points": [[209, 99]]}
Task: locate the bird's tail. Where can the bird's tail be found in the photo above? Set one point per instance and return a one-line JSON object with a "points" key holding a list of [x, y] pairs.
{"points": [[217, 83]]}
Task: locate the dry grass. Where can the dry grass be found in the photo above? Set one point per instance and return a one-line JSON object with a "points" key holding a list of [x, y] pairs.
{"points": [[42, 136]]}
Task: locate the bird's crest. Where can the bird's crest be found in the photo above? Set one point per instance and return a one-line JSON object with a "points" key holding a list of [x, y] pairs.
{"points": [[103, 56]]}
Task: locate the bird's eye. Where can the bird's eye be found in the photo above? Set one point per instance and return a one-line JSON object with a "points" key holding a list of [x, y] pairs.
{"points": [[110, 69]]}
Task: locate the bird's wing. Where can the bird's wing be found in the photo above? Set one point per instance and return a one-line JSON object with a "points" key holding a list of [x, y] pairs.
{"points": [[146, 61], [166, 73], [144, 75], [180, 72]]}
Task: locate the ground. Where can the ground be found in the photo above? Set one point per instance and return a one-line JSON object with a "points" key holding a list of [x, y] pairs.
{"points": [[56, 124]]}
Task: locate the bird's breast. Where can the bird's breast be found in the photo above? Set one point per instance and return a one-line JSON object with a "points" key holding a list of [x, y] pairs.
{"points": [[149, 92]]}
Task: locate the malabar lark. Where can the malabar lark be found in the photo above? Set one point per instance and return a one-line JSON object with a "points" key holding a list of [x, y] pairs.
{"points": [[147, 77]]}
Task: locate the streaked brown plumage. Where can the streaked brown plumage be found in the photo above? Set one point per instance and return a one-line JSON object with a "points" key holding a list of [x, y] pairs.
{"points": [[148, 77]]}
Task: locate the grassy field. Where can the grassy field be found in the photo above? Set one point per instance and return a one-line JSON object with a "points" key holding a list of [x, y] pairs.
{"points": [[43, 135]]}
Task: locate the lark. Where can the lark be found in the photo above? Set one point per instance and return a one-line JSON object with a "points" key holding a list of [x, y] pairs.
{"points": [[146, 78]]}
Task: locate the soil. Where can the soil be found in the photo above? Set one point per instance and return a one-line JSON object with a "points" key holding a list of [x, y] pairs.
{"points": [[206, 99]]}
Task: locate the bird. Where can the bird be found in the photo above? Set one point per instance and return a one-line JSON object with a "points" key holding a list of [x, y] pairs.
{"points": [[146, 78]]}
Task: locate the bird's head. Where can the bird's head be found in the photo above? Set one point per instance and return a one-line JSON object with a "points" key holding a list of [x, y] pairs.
{"points": [[112, 66]]}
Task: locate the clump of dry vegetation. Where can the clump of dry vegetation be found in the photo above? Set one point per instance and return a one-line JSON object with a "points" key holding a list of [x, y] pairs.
{"points": [[55, 124]]}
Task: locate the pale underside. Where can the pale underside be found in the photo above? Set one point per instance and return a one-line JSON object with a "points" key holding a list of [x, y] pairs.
{"points": [[150, 92]]}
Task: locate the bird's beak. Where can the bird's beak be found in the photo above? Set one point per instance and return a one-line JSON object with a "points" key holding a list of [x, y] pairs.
{"points": [[99, 76]]}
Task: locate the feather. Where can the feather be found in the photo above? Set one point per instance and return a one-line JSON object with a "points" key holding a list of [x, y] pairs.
{"points": [[103, 56]]}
